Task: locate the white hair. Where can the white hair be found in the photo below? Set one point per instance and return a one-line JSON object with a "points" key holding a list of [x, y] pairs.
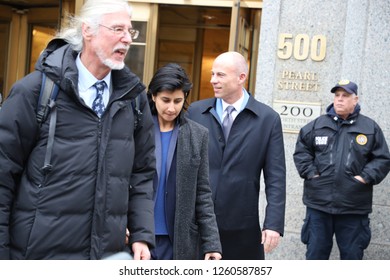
{"points": [[90, 13]]}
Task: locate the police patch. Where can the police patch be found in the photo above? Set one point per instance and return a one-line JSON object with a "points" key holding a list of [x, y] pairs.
{"points": [[321, 140], [361, 139]]}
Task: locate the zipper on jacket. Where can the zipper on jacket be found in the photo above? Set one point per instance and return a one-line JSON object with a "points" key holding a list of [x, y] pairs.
{"points": [[99, 134], [336, 145], [331, 154], [349, 153]]}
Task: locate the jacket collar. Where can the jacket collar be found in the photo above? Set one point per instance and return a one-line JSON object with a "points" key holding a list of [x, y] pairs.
{"points": [[211, 104], [351, 118]]}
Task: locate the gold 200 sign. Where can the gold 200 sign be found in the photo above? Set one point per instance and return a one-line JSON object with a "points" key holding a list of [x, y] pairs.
{"points": [[302, 47]]}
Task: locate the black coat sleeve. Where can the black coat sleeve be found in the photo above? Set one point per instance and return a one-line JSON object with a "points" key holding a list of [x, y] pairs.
{"points": [[141, 205], [18, 131]]}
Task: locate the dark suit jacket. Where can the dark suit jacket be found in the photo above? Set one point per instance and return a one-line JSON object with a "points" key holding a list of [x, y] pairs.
{"points": [[255, 145]]}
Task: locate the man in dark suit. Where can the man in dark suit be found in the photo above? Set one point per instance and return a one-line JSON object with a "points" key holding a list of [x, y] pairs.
{"points": [[252, 143]]}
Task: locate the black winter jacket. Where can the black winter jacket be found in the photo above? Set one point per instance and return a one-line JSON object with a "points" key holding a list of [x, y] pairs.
{"points": [[101, 180], [338, 150]]}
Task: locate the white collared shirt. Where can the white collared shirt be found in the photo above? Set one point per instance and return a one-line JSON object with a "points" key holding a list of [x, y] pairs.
{"points": [[86, 87], [237, 106]]}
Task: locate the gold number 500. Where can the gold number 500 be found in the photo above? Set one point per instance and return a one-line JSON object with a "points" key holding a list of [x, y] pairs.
{"points": [[301, 46]]}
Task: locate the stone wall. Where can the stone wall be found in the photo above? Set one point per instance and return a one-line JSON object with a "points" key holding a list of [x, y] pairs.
{"points": [[295, 77]]}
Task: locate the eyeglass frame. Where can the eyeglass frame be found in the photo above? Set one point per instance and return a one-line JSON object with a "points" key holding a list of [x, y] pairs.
{"points": [[119, 30]]}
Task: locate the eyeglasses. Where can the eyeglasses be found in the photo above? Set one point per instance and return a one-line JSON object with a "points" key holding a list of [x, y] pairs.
{"points": [[118, 30]]}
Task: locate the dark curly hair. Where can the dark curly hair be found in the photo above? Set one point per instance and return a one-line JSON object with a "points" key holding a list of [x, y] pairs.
{"points": [[169, 78]]}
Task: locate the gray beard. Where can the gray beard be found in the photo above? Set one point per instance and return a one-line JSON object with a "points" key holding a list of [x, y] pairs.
{"points": [[109, 62]]}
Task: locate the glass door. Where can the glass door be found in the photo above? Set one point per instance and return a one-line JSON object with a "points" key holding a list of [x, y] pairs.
{"points": [[244, 37], [4, 33], [193, 36]]}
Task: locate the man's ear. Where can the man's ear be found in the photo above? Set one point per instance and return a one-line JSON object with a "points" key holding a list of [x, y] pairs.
{"points": [[242, 77], [356, 99], [86, 31]]}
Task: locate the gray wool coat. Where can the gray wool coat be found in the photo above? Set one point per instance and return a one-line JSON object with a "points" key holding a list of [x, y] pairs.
{"points": [[190, 214]]}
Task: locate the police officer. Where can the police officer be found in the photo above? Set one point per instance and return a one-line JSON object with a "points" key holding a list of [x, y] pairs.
{"points": [[340, 155]]}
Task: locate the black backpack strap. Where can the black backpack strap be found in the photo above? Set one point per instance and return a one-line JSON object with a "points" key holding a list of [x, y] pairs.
{"points": [[49, 90], [50, 138], [46, 105]]}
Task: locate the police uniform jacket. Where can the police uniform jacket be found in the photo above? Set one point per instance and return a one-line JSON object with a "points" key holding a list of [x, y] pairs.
{"points": [[337, 150]]}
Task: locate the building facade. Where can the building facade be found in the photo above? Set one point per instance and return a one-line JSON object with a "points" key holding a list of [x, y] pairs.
{"points": [[297, 50], [306, 47]]}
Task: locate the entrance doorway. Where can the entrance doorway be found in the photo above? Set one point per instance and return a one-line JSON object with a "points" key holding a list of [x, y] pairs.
{"points": [[193, 36], [190, 35]]}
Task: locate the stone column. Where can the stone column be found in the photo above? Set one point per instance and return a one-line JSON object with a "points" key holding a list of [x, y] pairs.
{"points": [[306, 47]]}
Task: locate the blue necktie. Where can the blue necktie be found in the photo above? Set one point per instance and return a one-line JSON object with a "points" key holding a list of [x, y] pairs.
{"points": [[227, 121], [98, 105]]}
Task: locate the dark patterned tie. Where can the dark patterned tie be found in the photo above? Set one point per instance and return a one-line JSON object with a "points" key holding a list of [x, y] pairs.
{"points": [[227, 121], [98, 105]]}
